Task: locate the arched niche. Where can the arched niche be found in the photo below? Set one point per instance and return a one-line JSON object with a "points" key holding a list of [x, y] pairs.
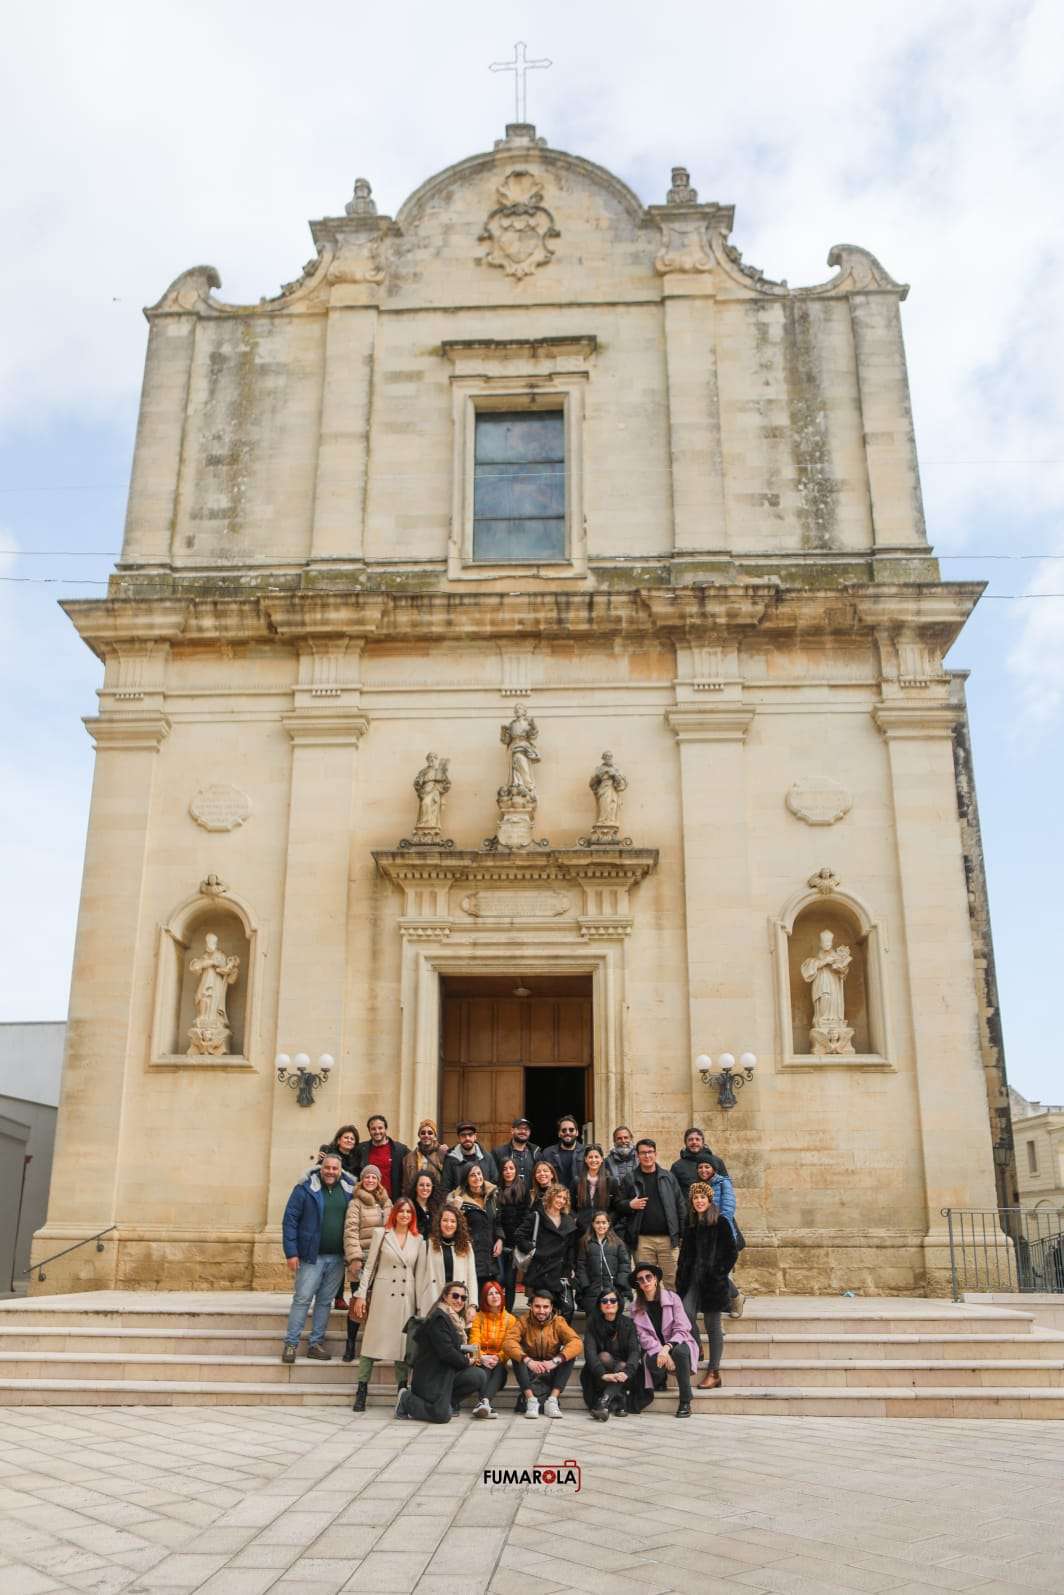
{"points": [[213, 911], [825, 907]]}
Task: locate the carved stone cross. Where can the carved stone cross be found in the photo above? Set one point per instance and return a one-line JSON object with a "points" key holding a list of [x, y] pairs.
{"points": [[520, 66]]}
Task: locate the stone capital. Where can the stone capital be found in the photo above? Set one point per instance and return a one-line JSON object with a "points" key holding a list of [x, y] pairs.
{"points": [[725, 722], [325, 728], [917, 720], [128, 732]]}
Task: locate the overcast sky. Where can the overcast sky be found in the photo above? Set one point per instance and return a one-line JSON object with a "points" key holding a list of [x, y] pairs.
{"points": [[142, 139]]}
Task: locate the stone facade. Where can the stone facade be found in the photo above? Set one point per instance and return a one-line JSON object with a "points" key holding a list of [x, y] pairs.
{"points": [[747, 614], [1038, 1130]]}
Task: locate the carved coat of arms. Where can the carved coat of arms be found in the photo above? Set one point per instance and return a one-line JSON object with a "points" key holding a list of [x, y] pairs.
{"points": [[519, 228]]}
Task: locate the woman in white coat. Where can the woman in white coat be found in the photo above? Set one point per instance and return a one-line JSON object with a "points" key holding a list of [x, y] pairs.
{"points": [[386, 1296], [447, 1258]]}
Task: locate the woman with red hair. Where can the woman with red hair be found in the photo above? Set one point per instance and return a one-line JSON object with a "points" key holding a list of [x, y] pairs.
{"points": [[386, 1296]]}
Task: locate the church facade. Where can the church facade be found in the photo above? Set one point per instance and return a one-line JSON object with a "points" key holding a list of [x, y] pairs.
{"points": [[523, 676]]}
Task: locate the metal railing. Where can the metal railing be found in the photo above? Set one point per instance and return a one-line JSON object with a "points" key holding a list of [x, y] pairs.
{"points": [[1006, 1249], [38, 1268]]}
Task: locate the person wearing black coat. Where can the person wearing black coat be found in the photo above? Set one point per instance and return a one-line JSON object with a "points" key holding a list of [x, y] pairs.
{"points": [[512, 1202], [602, 1260], [707, 1256], [520, 1147], [694, 1151], [475, 1198], [611, 1359], [343, 1145], [389, 1162], [554, 1239], [442, 1372], [595, 1190], [427, 1198]]}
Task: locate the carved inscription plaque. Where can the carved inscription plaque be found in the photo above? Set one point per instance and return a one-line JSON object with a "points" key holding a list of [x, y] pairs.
{"points": [[220, 808], [819, 802], [515, 905]]}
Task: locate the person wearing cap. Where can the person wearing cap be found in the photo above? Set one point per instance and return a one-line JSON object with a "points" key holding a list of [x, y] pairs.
{"points": [[611, 1358], [520, 1147], [426, 1155], [464, 1155], [665, 1337], [542, 1350]]}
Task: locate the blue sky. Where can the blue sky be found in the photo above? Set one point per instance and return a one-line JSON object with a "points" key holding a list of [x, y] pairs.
{"points": [[143, 140]]}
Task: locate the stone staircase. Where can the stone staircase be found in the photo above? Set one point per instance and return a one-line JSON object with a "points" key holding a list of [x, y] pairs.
{"points": [[787, 1356]]}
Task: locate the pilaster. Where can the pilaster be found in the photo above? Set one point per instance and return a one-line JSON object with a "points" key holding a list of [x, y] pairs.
{"points": [[886, 412], [955, 1136], [160, 431]]}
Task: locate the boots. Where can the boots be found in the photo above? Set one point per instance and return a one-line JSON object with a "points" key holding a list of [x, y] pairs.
{"points": [[352, 1336], [361, 1390]]}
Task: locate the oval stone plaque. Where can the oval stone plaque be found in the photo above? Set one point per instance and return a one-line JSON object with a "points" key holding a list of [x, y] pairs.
{"points": [[220, 808], [819, 802]]}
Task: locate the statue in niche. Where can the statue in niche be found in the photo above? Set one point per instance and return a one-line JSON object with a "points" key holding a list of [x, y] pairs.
{"points": [[432, 785], [217, 971], [519, 736], [825, 974]]}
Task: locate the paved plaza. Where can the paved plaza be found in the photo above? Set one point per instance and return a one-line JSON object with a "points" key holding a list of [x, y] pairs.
{"points": [[243, 1501]]}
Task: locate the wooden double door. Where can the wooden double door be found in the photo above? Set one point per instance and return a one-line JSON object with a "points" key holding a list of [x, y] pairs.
{"points": [[503, 1054]]}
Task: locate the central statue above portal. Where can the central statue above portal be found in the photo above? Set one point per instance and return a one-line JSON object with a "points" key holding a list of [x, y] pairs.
{"points": [[518, 798]]}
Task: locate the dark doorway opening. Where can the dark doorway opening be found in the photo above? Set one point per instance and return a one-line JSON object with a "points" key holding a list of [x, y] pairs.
{"points": [[548, 1094], [513, 1044]]}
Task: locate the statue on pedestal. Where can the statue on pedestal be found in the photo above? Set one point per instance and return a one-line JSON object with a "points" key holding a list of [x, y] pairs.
{"points": [[607, 784], [825, 973], [217, 971], [518, 798]]}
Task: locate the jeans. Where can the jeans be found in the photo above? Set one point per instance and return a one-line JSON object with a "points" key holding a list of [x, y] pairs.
{"points": [[508, 1271], [496, 1379], [681, 1356], [318, 1283], [541, 1384]]}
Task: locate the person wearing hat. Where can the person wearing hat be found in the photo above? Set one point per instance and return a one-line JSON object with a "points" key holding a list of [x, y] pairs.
{"points": [[520, 1147], [467, 1152], [427, 1155], [665, 1337]]}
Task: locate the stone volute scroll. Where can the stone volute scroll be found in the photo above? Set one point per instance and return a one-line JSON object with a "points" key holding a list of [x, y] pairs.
{"points": [[517, 800], [825, 973], [431, 785], [607, 783], [519, 229]]}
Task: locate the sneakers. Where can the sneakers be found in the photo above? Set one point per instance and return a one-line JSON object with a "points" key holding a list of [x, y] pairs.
{"points": [[319, 1354], [400, 1404], [483, 1409], [738, 1302], [532, 1406], [551, 1409], [288, 1354]]}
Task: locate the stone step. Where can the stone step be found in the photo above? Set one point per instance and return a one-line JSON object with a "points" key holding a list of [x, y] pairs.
{"points": [[854, 1373], [110, 1364], [1038, 1343], [871, 1402]]}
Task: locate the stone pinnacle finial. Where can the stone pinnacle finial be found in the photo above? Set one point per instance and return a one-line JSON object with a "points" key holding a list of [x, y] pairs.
{"points": [[681, 192]]}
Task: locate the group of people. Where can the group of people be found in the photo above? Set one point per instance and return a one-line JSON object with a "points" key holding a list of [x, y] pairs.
{"points": [[434, 1240]]}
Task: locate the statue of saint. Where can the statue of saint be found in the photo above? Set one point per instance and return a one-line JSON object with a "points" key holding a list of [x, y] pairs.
{"points": [[520, 737], [607, 783], [217, 971], [825, 973], [431, 785]]}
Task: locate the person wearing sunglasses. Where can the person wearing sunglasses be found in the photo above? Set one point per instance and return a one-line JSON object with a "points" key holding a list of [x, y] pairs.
{"points": [[611, 1358], [665, 1337], [443, 1372]]}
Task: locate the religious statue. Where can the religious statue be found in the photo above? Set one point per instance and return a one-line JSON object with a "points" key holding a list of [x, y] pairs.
{"points": [[825, 973], [217, 971], [607, 783], [681, 192], [519, 735], [361, 202], [432, 785]]}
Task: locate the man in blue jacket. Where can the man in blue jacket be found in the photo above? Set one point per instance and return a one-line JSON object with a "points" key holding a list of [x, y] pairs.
{"points": [[312, 1234]]}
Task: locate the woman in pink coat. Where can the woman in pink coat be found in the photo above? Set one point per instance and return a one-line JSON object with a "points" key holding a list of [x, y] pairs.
{"points": [[665, 1337]]}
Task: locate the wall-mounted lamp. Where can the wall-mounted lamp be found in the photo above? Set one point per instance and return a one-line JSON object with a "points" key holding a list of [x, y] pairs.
{"points": [[728, 1081], [302, 1081]]}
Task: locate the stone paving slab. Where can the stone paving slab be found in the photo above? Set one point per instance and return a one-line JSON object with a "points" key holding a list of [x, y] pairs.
{"points": [[260, 1501]]}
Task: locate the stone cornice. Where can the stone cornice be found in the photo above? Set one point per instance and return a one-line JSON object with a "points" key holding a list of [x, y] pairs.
{"points": [[325, 728], [695, 612], [625, 866]]}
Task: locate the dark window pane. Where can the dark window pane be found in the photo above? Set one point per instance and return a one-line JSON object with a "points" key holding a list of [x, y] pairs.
{"points": [[507, 437], [518, 540], [502, 491]]}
